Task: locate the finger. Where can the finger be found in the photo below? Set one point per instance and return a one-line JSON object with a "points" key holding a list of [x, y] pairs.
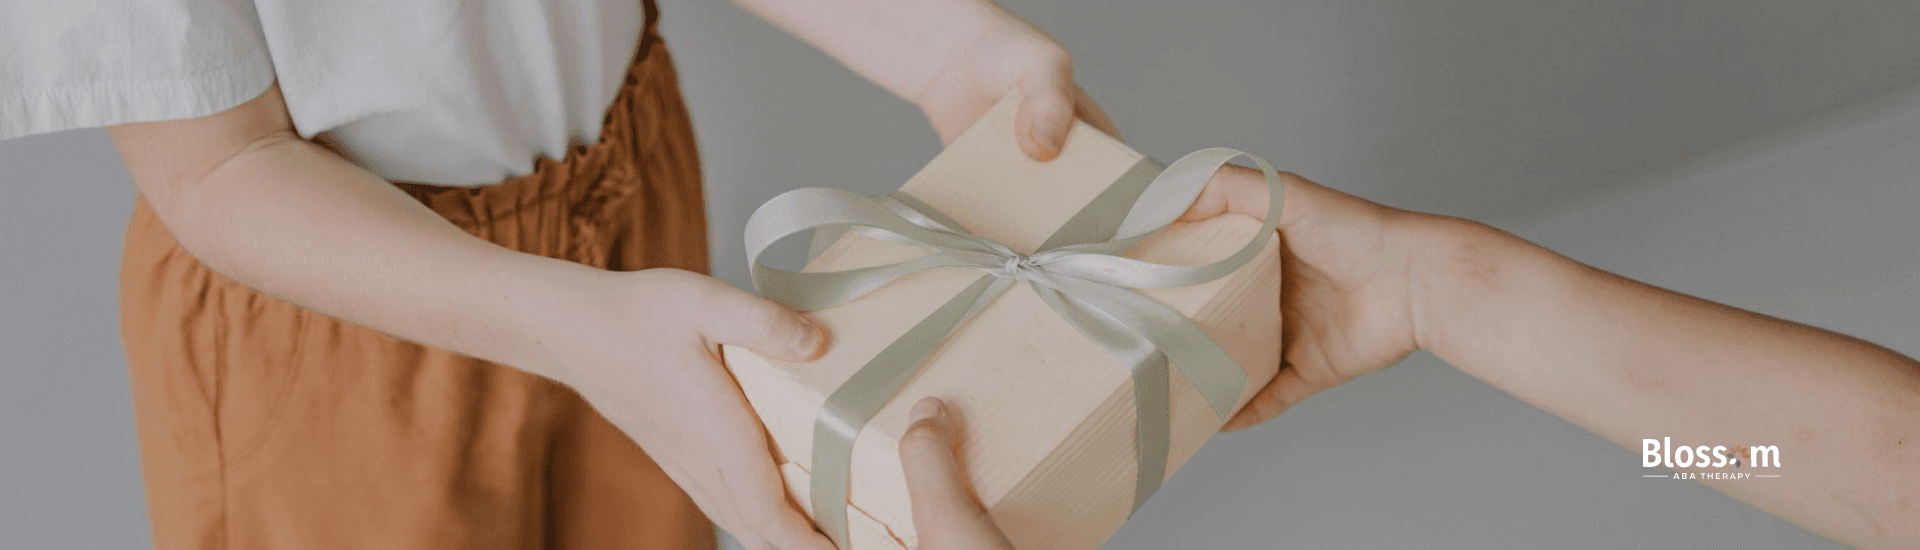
{"points": [[1241, 190], [791, 529], [944, 506], [730, 316], [761, 497], [934, 480], [1234, 189], [1046, 110], [1286, 390], [1088, 110], [794, 532]]}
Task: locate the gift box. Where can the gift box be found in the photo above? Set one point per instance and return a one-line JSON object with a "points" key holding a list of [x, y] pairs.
{"points": [[1052, 437]]}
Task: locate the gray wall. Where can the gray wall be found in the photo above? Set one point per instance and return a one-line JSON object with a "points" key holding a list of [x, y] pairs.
{"points": [[69, 465], [1621, 134], [1466, 107]]}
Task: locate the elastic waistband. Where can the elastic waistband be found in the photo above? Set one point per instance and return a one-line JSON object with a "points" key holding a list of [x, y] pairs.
{"points": [[589, 176]]}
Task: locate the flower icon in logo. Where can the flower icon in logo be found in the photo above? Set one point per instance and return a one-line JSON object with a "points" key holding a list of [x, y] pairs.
{"points": [[1740, 452]]}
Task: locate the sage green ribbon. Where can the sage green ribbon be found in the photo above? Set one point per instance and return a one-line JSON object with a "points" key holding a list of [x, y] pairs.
{"points": [[1081, 272]]}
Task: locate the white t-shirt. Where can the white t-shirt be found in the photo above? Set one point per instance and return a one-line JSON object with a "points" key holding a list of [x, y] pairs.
{"points": [[448, 92]]}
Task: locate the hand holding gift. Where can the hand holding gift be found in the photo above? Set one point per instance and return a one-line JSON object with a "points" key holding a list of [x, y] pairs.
{"points": [[1348, 298], [952, 59], [643, 354], [1004, 54]]}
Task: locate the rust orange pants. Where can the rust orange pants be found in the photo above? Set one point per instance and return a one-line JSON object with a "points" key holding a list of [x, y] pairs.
{"points": [[265, 426]]}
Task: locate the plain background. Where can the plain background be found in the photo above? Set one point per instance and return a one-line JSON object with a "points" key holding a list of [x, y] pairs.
{"points": [[1758, 153]]}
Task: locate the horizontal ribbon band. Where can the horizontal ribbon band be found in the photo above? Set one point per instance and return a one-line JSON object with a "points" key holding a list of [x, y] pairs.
{"points": [[1081, 271]]}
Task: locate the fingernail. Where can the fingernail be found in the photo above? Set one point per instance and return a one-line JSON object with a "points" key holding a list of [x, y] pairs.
{"points": [[928, 408], [809, 339], [1057, 134], [1045, 150]]}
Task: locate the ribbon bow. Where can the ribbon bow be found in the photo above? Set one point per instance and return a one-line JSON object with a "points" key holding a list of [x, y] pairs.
{"points": [[1080, 271]]}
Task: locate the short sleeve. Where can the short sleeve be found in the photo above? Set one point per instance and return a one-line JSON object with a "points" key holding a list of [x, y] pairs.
{"points": [[68, 64]]}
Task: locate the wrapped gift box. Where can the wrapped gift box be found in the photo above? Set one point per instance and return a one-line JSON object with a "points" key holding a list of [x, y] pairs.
{"points": [[1047, 417]]}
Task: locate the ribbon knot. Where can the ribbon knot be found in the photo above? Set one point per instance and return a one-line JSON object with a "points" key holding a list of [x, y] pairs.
{"points": [[1081, 272], [1017, 265]]}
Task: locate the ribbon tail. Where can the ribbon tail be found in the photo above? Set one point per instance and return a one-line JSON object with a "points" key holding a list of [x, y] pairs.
{"points": [[1100, 218], [918, 212], [847, 411], [1199, 357], [1152, 402], [1153, 430]]}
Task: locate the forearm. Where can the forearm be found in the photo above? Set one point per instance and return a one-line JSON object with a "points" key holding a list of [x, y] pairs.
{"points": [[297, 222], [1631, 362], [898, 44]]}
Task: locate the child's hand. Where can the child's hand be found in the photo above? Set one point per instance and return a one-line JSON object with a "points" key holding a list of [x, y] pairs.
{"points": [[952, 58], [645, 354], [1008, 54], [945, 512]]}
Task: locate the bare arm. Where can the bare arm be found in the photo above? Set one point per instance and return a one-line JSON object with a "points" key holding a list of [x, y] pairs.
{"points": [[257, 204], [898, 44], [1633, 362]]}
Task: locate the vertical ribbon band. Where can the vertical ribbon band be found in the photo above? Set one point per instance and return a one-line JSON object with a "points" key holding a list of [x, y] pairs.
{"points": [[1081, 271]]}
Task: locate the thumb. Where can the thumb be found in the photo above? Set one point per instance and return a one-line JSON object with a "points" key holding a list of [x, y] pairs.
{"points": [[934, 480], [733, 317], [1242, 190], [1287, 389], [945, 510], [1046, 111]]}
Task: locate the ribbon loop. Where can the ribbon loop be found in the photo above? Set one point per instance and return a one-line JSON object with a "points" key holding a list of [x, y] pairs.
{"points": [[1080, 272]]}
